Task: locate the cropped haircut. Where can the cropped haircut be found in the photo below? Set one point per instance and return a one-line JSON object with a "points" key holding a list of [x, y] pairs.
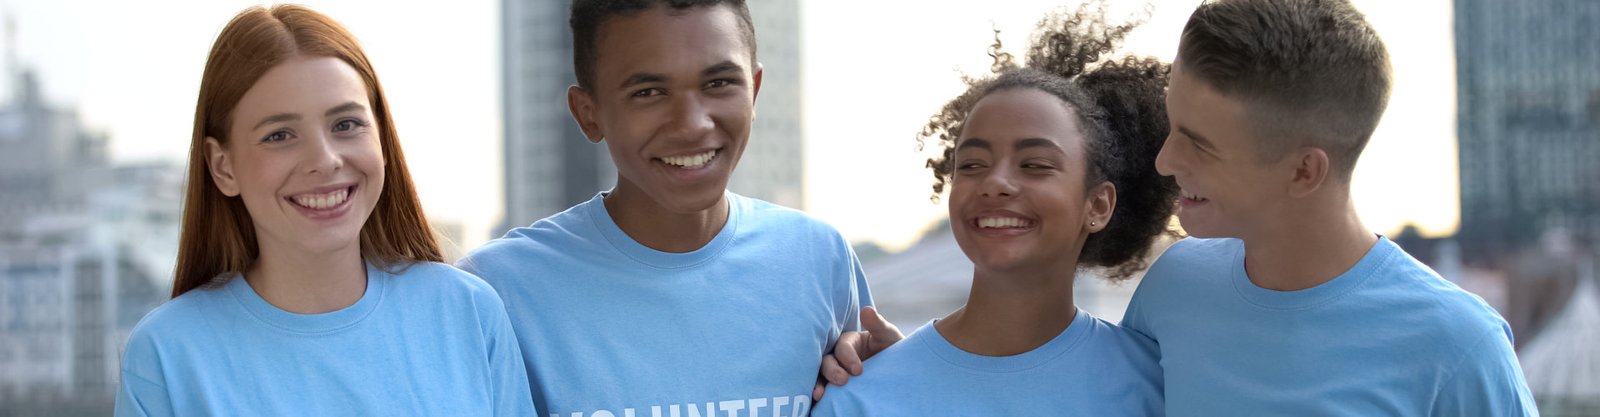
{"points": [[1309, 72]]}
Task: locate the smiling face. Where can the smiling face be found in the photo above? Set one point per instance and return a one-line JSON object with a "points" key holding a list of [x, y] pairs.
{"points": [[1017, 194], [673, 99], [1227, 188], [303, 154]]}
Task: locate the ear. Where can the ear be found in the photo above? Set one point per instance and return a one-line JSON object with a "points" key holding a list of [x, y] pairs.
{"points": [[755, 80], [1310, 168], [221, 168], [1097, 211], [581, 104]]}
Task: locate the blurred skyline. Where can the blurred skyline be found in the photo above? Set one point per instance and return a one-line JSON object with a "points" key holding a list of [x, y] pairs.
{"points": [[133, 70], [88, 241]]}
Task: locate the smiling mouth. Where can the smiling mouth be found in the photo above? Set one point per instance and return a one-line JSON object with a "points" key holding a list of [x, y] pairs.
{"points": [[1192, 196], [1002, 223], [322, 201], [690, 161]]}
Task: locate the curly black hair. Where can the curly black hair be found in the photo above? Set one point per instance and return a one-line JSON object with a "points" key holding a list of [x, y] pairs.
{"points": [[1119, 102]]}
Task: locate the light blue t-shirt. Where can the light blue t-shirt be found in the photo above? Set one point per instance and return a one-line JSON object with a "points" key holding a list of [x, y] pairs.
{"points": [[431, 341], [1388, 337], [1093, 368], [609, 327]]}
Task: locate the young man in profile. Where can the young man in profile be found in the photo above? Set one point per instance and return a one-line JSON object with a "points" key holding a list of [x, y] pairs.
{"points": [[1284, 303]]}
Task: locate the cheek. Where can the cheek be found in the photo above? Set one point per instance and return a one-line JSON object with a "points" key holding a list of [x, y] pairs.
{"points": [[628, 120], [962, 189], [259, 176], [1060, 196], [733, 115], [368, 157]]}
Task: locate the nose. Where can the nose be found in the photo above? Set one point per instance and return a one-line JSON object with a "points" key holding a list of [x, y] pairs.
{"points": [[690, 120], [998, 184], [1165, 163], [322, 155]]}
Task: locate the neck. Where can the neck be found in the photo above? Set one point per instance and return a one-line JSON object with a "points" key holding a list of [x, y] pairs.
{"points": [[1012, 313], [1314, 248], [659, 228], [309, 283]]}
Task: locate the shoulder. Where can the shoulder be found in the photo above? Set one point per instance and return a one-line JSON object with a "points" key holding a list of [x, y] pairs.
{"points": [[523, 247], [763, 213], [178, 315], [1456, 317], [1134, 348], [1193, 250], [890, 379], [175, 323], [445, 282], [1190, 261], [561, 226], [436, 276], [910, 361], [761, 220]]}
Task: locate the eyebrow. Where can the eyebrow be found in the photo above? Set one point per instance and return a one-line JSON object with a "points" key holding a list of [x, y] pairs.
{"points": [[1201, 140], [650, 77], [346, 107], [290, 117], [722, 67], [1037, 143], [642, 78], [974, 143], [277, 118]]}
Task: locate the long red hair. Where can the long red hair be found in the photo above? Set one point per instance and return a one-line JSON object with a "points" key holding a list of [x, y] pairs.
{"points": [[218, 236]]}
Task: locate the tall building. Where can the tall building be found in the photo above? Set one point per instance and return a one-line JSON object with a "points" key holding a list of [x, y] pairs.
{"points": [[85, 250], [549, 166], [772, 167], [1529, 121]]}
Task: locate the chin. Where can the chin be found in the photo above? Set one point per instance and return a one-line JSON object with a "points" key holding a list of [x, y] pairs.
{"points": [[998, 261], [1200, 230], [331, 244], [691, 201]]}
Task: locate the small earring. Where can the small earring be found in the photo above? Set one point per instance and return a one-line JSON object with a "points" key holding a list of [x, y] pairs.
{"points": [[1092, 224]]}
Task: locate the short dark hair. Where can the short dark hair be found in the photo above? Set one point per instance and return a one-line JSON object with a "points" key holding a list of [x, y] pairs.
{"points": [[1121, 107], [588, 15], [1310, 72]]}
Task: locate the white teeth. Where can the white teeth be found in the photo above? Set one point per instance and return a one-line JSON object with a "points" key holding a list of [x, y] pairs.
{"points": [[691, 161], [1189, 195], [1001, 222], [322, 201]]}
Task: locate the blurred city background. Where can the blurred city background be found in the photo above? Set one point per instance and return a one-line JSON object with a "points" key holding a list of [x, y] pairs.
{"points": [[1485, 166]]}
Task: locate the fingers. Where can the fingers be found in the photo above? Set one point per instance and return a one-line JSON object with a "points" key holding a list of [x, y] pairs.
{"points": [[875, 324], [880, 333], [834, 373], [816, 391], [847, 351]]}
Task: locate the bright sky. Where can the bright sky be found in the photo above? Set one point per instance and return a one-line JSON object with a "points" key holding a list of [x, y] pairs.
{"points": [[874, 71]]}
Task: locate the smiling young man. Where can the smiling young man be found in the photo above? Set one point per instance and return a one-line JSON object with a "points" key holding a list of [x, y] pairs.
{"points": [[1284, 303], [668, 295]]}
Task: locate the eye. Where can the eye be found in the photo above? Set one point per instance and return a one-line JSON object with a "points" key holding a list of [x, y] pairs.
{"points": [[347, 125], [277, 136], [648, 92], [721, 82]]}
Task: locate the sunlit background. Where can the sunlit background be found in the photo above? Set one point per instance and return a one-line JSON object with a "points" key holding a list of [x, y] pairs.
{"points": [[477, 92]]}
